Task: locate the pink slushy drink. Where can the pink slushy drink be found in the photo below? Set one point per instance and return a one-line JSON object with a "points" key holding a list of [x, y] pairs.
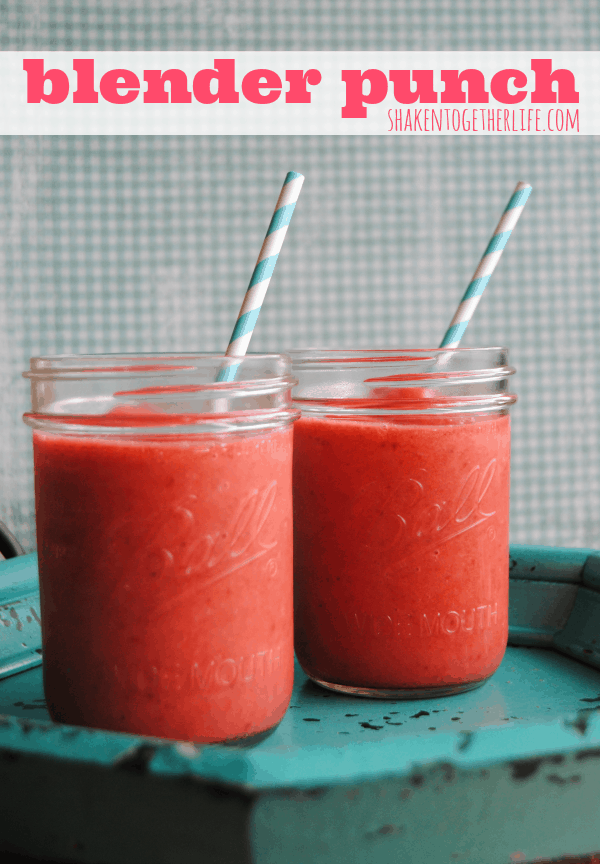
{"points": [[401, 504], [165, 559]]}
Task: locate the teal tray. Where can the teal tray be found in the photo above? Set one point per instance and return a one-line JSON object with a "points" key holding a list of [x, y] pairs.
{"points": [[20, 633], [510, 772]]}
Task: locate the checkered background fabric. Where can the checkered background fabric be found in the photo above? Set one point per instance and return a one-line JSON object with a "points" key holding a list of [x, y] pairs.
{"points": [[134, 244]]}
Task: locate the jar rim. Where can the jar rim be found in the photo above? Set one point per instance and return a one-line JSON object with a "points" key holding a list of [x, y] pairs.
{"points": [[153, 390], [162, 365], [439, 363], [308, 355], [459, 349], [402, 381]]}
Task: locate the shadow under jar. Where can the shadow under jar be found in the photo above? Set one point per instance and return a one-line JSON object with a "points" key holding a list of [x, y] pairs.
{"points": [[401, 500], [164, 527]]}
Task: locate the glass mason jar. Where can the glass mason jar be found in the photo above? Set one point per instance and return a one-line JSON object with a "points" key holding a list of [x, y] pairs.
{"points": [[164, 527], [401, 496]]}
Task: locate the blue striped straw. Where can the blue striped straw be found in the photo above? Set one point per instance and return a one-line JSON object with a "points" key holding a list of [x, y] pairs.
{"points": [[486, 266], [265, 265]]}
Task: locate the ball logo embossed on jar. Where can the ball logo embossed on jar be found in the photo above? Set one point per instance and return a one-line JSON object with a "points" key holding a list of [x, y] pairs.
{"points": [[207, 556], [215, 554], [411, 518]]}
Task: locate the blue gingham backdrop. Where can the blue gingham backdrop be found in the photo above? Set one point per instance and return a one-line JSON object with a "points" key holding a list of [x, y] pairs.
{"points": [[147, 244]]}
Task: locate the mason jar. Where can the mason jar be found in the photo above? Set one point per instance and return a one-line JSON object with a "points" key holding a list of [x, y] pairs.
{"points": [[164, 530], [401, 504]]}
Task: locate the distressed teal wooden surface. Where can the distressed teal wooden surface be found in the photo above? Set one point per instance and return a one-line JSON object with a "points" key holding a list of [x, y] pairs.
{"points": [[590, 575], [581, 635], [539, 610], [507, 772], [20, 633], [512, 767], [548, 563], [512, 812], [529, 706], [554, 603], [18, 576]]}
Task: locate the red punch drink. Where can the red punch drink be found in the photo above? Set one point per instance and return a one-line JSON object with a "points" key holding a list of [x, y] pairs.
{"points": [[164, 524], [401, 498]]}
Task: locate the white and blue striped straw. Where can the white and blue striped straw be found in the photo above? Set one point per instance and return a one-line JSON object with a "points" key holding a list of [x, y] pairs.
{"points": [[486, 266], [263, 271]]}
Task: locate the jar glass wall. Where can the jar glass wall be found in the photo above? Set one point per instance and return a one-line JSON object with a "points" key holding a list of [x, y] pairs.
{"points": [[164, 528], [401, 500]]}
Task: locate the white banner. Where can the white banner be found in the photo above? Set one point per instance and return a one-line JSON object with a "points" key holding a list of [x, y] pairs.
{"points": [[299, 93]]}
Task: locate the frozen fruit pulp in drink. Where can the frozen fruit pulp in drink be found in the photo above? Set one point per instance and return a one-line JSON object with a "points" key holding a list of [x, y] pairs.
{"points": [[401, 548], [165, 568]]}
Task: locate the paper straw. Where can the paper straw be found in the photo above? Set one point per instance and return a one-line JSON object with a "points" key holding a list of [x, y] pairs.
{"points": [[486, 266], [263, 271]]}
